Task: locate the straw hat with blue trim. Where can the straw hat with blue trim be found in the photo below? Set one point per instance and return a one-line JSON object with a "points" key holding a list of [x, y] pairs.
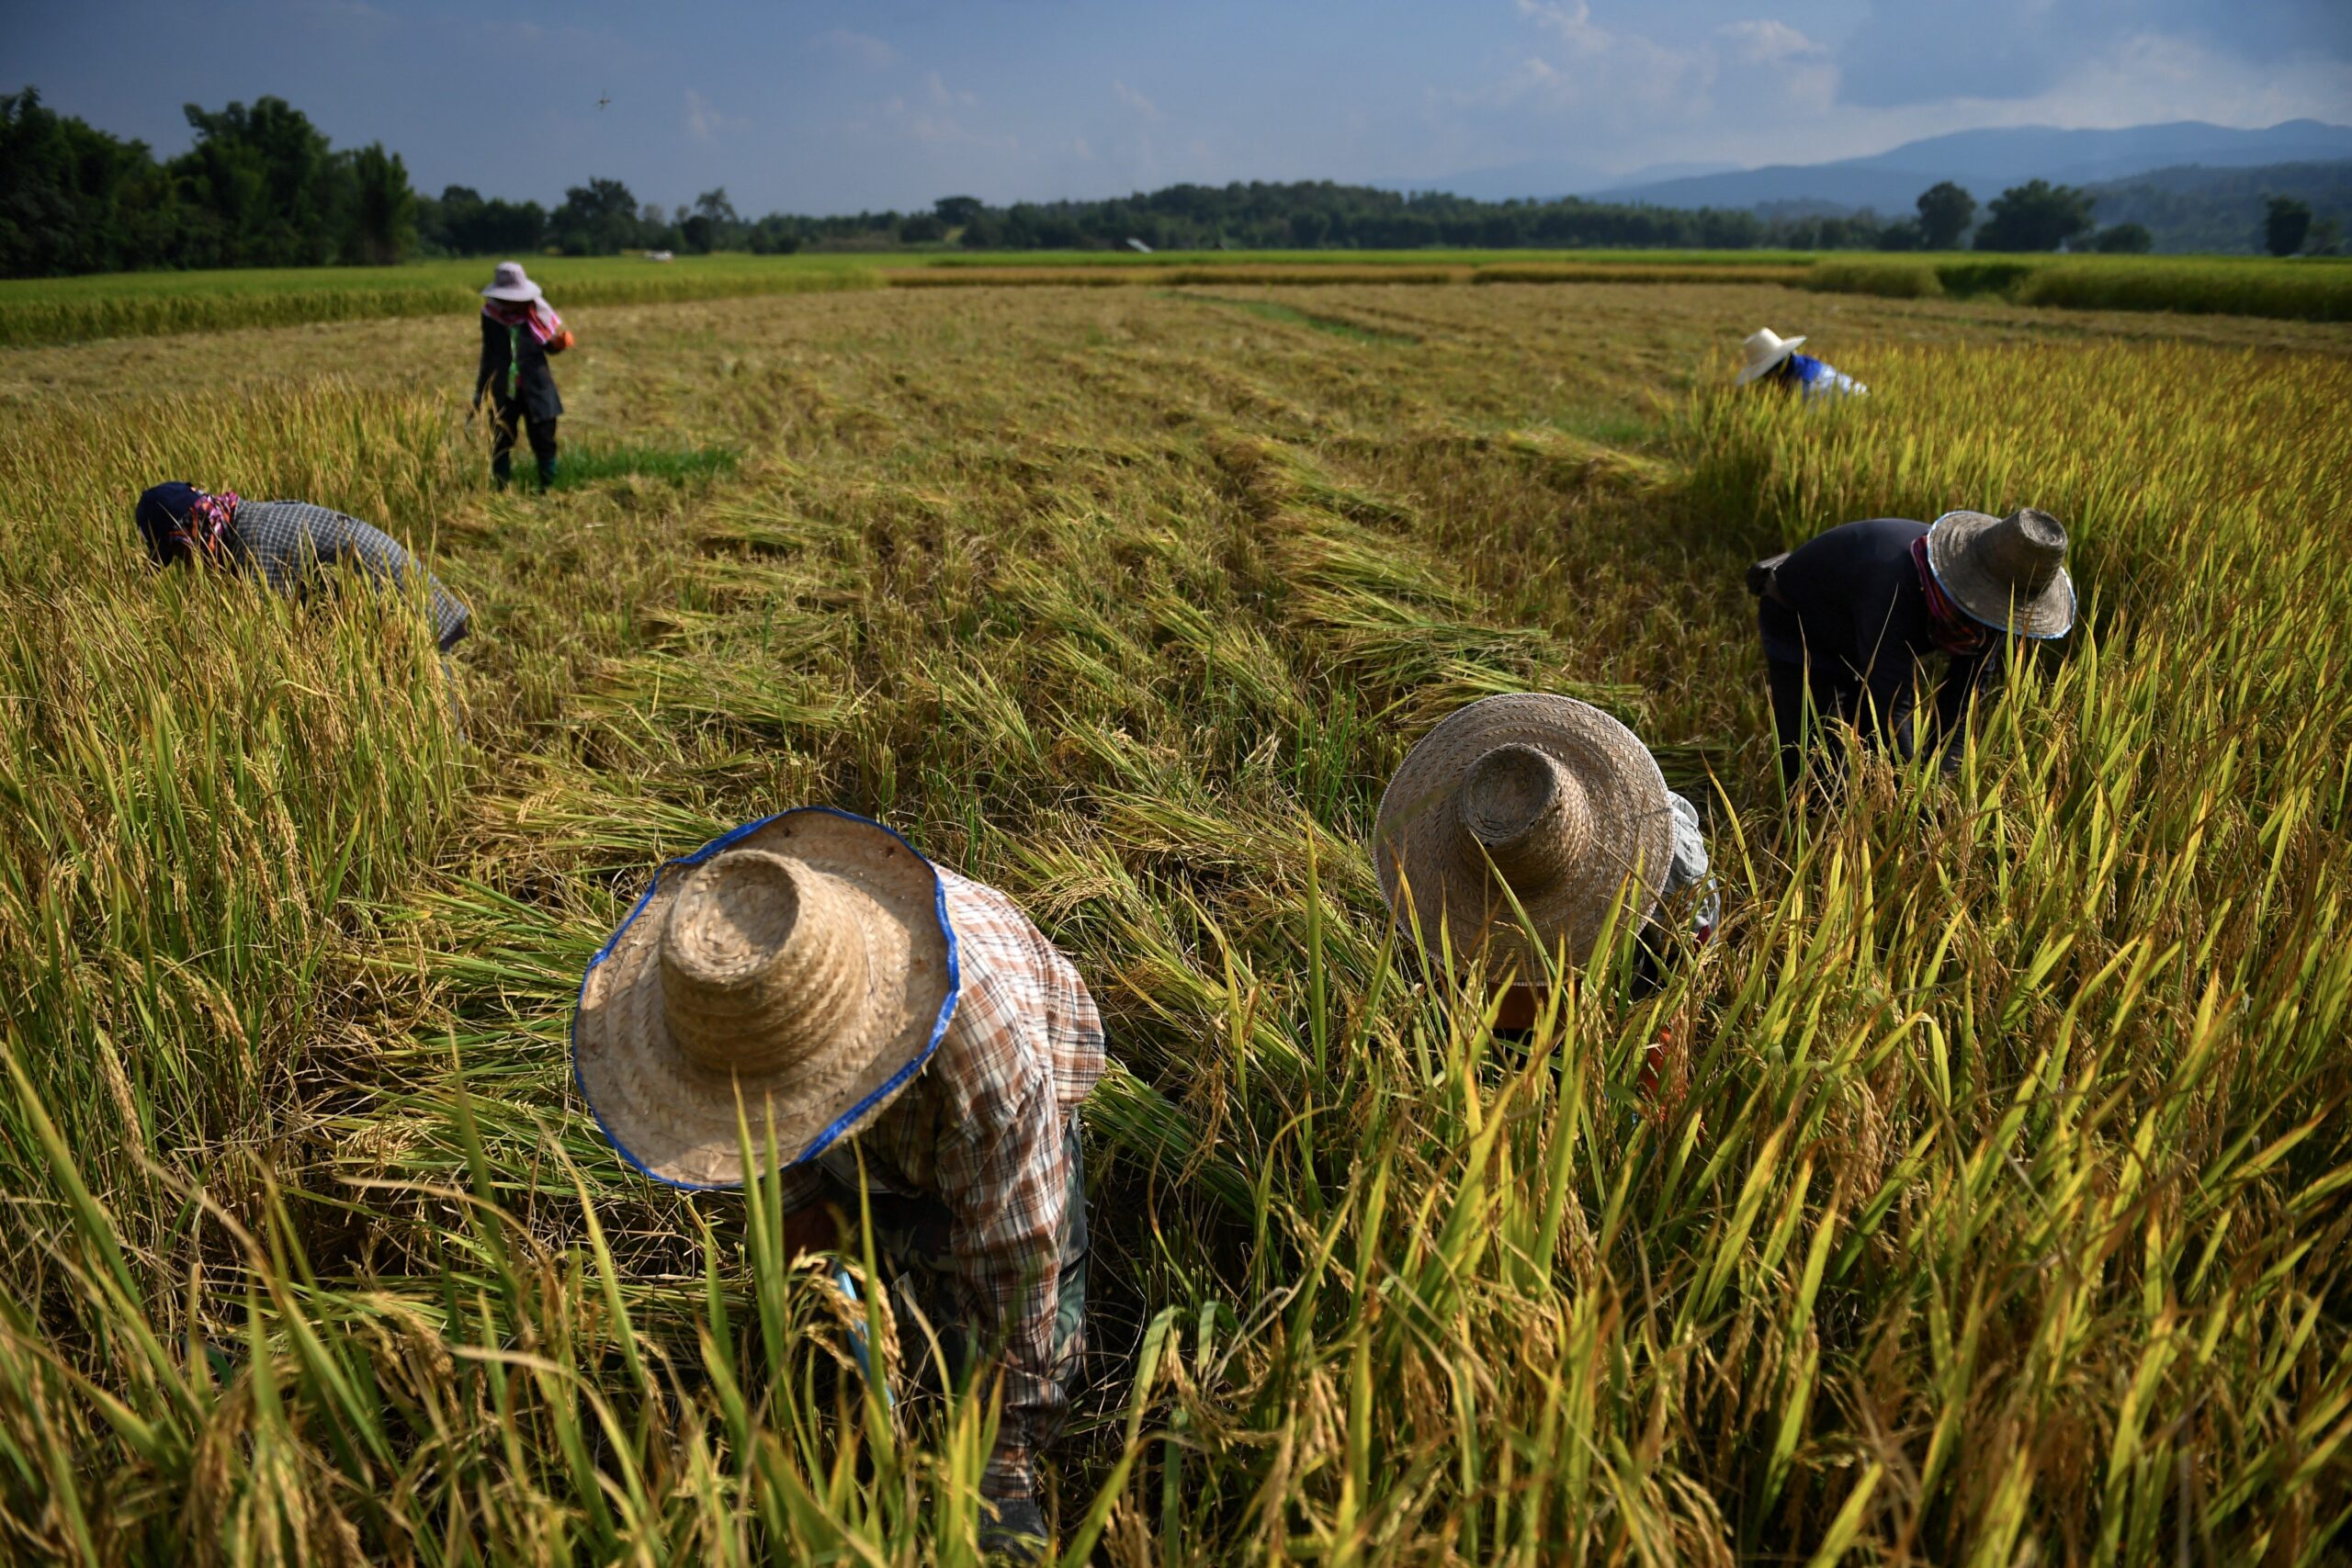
{"points": [[802, 965]]}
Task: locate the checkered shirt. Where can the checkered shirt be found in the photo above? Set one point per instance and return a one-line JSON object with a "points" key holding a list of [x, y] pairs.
{"points": [[982, 1128], [291, 541]]}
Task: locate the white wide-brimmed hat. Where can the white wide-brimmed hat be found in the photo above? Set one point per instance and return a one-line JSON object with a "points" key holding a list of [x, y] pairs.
{"points": [[1766, 349], [508, 283], [2009, 572], [803, 963], [1551, 795]]}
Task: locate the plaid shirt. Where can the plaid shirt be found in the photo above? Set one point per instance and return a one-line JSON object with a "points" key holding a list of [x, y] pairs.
{"points": [[983, 1128], [291, 540]]}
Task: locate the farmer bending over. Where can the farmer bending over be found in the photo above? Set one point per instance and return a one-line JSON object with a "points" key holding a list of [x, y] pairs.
{"points": [[1849, 618], [1773, 360], [867, 1003], [290, 543], [1547, 803], [519, 330]]}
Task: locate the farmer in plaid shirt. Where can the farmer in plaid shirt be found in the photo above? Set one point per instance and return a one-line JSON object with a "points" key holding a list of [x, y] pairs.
{"points": [[882, 1013], [290, 543]]}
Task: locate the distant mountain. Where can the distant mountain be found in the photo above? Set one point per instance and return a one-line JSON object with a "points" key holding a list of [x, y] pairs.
{"points": [[2198, 208], [1987, 162]]}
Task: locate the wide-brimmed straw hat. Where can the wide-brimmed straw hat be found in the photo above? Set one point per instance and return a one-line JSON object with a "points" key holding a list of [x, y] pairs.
{"points": [[1766, 349], [508, 283], [804, 962], [2009, 572], [1545, 795]]}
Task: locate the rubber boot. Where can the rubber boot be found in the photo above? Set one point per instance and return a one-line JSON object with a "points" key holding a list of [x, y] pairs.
{"points": [[502, 469], [547, 473]]}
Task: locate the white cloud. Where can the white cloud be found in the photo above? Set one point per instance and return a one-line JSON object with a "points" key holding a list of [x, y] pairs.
{"points": [[1136, 101], [705, 123], [1586, 69], [945, 96], [872, 52], [1759, 42]]}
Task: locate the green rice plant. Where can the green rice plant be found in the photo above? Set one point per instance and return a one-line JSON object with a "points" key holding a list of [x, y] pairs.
{"points": [[41, 311], [1885, 280], [2294, 290], [1508, 272], [2298, 290], [592, 464]]}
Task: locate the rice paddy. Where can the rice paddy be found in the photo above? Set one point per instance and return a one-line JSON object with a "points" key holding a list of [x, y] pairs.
{"points": [[77, 310], [1994, 1207]]}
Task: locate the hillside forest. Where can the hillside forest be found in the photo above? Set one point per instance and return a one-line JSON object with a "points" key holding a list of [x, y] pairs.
{"points": [[261, 186]]}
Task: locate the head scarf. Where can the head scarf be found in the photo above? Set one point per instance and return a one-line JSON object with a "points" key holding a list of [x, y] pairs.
{"points": [[178, 519], [1955, 630], [536, 314]]}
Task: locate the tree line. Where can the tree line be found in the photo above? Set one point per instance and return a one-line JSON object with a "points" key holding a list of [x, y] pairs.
{"points": [[261, 187]]}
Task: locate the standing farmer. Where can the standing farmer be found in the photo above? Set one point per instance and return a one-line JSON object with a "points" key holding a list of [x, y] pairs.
{"points": [[290, 543], [1849, 618], [874, 1009], [519, 330]]}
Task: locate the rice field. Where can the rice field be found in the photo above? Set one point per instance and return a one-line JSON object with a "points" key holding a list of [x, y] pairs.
{"points": [[1995, 1209], [76, 309]]}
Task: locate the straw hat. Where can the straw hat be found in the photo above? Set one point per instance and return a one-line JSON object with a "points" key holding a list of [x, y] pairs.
{"points": [[2009, 572], [1560, 800], [804, 961], [1766, 349], [508, 283]]}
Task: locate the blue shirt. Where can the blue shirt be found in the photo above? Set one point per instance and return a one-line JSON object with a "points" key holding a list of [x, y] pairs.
{"points": [[1816, 379]]}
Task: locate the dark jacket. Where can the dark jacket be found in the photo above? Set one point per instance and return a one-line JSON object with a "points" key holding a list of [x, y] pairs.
{"points": [[537, 391], [1850, 601]]}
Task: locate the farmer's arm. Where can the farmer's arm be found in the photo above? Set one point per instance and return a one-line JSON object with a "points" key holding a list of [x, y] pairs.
{"points": [[1006, 1179], [1978, 675], [810, 1224], [492, 339], [369, 551]]}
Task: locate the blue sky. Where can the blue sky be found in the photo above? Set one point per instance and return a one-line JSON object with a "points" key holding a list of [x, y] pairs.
{"points": [[834, 105]]}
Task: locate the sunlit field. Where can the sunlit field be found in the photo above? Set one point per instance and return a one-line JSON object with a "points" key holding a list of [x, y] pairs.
{"points": [[1994, 1207], [144, 304]]}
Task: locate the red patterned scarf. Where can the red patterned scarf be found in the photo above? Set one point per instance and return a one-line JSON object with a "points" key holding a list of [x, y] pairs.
{"points": [[1956, 632], [205, 529], [536, 314]]}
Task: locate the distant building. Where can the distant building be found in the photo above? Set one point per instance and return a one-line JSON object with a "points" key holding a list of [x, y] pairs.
{"points": [[1135, 244], [660, 255]]}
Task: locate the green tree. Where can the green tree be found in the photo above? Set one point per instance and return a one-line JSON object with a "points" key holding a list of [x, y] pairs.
{"points": [[1904, 235], [383, 208], [75, 199], [269, 189], [2286, 222], [598, 218], [2125, 239], [2035, 216], [957, 211], [1945, 212]]}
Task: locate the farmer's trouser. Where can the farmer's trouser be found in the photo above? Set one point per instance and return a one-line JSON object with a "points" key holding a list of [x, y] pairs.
{"points": [[504, 419], [915, 1238], [1835, 697]]}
